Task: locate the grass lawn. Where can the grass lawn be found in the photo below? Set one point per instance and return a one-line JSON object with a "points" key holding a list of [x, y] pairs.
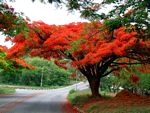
{"points": [[6, 90], [123, 102]]}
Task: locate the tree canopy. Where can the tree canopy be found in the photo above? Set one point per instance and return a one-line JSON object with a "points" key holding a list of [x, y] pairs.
{"points": [[91, 48]]}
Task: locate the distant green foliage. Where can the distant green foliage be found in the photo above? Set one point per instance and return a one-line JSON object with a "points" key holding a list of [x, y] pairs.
{"points": [[112, 83], [143, 87], [144, 81], [9, 77], [52, 74]]}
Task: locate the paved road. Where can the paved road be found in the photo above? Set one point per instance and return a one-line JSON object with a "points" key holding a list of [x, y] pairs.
{"points": [[37, 101]]}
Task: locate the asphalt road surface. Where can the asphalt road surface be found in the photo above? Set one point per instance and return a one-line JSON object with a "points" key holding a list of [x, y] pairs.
{"points": [[37, 101]]}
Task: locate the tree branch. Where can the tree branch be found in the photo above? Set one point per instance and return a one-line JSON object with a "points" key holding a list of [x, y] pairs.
{"points": [[38, 34], [115, 69], [124, 63]]}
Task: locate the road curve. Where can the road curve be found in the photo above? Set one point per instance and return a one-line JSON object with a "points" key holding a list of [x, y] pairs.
{"points": [[37, 101]]}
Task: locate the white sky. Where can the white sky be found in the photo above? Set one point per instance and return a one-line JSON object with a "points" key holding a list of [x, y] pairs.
{"points": [[47, 13]]}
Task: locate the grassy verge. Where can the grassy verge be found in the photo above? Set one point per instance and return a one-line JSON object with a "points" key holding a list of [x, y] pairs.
{"points": [[31, 87], [108, 107], [129, 103], [77, 98], [35, 87], [80, 98], [6, 90]]}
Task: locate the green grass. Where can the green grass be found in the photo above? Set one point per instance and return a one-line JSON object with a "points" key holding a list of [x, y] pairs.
{"points": [[96, 108], [132, 109], [93, 107], [6, 90], [80, 98]]}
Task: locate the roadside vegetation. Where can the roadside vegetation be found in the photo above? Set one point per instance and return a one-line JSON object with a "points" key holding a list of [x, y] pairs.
{"points": [[118, 95], [6, 90], [123, 102]]}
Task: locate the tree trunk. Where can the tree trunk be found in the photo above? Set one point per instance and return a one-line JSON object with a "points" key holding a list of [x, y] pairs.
{"points": [[94, 85]]}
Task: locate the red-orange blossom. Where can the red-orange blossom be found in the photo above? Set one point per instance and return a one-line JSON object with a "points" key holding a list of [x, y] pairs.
{"points": [[93, 50]]}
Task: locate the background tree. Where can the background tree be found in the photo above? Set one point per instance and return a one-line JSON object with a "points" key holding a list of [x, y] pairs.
{"points": [[114, 84], [141, 87], [52, 74], [46, 74]]}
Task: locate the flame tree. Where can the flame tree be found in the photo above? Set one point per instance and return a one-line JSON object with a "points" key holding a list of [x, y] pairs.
{"points": [[92, 49]]}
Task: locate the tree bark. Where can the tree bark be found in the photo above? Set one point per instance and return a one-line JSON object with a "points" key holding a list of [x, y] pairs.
{"points": [[93, 79], [94, 85]]}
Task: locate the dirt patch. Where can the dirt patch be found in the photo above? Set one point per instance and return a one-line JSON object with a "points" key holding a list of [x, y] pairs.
{"points": [[129, 98]]}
